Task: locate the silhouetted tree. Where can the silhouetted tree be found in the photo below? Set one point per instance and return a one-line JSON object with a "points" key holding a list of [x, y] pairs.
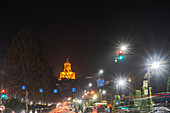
{"points": [[26, 63]]}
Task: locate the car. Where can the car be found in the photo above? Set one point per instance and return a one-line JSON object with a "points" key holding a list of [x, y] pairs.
{"points": [[160, 110]]}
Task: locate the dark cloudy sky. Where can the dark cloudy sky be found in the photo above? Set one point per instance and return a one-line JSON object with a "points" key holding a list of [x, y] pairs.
{"points": [[87, 33]]}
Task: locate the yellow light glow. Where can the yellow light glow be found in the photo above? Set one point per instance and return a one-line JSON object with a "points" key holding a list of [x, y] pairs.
{"points": [[92, 92], [67, 73]]}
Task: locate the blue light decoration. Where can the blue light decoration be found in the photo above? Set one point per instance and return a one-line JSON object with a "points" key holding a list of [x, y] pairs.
{"points": [[55, 90], [100, 83], [41, 90], [23, 87], [73, 89]]}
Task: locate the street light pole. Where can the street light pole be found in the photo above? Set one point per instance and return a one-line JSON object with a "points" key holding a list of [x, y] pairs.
{"points": [[155, 65], [26, 101], [148, 76], [117, 89]]}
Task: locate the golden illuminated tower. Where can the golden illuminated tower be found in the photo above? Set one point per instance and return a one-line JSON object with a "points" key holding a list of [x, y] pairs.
{"points": [[67, 73]]}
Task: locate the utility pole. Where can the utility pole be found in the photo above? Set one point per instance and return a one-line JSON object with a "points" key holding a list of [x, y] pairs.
{"points": [[26, 101], [148, 76], [117, 89]]}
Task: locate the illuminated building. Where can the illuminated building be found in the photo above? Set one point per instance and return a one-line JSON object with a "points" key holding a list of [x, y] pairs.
{"points": [[67, 73]]}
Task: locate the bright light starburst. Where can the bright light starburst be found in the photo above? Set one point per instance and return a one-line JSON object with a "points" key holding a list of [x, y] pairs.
{"points": [[157, 63]]}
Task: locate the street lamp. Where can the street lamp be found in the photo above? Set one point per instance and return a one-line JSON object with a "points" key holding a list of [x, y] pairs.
{"points": [[80, 101], [94, 97], [103, 92], [121, 82], [101, 71], [90, 84], [154, 65], [123, 47]]}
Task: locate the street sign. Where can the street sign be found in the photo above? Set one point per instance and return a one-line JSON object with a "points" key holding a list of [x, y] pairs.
{"points": [[100, 83], [23, 87], [41, 90], [55, 90], [73, 89], [2, 108], [116, 102]]}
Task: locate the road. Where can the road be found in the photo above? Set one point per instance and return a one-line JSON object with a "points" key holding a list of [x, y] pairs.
{"points": [[63, 108]]}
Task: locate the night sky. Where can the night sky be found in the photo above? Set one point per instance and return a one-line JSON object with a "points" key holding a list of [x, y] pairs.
{"points": [[88, 33]]}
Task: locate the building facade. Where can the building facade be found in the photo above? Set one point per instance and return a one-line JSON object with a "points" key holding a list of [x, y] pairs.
{"points": [[67, 72]]}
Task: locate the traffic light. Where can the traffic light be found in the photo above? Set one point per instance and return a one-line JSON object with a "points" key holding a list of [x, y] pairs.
{"points": [[3, 95], [3, 91], [120, 57], [120, 52]]}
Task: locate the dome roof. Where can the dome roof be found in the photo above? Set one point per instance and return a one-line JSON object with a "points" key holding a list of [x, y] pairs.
{"points": [[67, 62]]}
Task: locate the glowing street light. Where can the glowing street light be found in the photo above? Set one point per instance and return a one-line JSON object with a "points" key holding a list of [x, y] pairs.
{"points": [[92, 92], [121, 82], [101, 71], [155, 65], [90, 84], [103, 92], [123, 47], [80, 101], [94, 97]]}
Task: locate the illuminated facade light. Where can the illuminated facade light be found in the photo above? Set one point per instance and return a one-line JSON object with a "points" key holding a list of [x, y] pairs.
{"points": [[67, 73]]}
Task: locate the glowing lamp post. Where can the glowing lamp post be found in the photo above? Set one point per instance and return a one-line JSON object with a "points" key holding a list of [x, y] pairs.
{"points": [[121, 83], [90, 84], [154, 65], [123, 47], [103, 92], [101, 71]]}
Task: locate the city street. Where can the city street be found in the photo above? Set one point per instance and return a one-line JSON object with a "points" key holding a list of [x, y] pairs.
{"points": [[85, 57]]}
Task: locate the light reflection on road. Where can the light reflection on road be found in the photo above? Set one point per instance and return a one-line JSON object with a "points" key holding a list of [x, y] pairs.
{"points": [[63, 108]]}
